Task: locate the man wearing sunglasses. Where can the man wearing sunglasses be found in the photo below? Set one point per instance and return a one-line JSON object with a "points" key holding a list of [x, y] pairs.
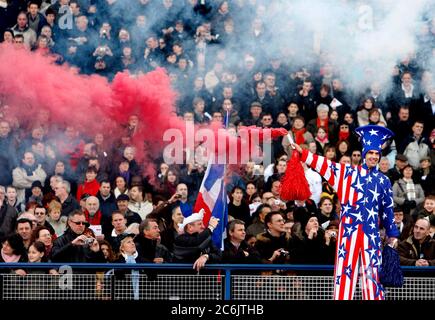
{"points": [[74, 245]]}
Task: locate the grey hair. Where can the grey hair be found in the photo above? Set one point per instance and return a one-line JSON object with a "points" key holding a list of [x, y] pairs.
{"points": [[322, 107]]}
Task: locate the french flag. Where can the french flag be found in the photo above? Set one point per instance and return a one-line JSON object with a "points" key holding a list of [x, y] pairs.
{"points": [[213, 199]]}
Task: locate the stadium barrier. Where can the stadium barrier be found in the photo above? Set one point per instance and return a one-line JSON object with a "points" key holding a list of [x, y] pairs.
{"points": [[89, 281]]}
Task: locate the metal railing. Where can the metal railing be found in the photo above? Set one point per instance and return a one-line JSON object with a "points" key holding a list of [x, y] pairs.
{"points": [[178, 282]]}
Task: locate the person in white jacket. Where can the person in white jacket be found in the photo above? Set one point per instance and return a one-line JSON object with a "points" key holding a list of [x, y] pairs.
{"points": [[137, 203], [24, 175]]}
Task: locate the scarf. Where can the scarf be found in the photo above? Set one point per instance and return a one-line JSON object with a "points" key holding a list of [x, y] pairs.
{"points": [[322, 141], [29, 169], [343, 135], [299, 135], [410, 189], [134, 274], [10, 259], [94, 220]]}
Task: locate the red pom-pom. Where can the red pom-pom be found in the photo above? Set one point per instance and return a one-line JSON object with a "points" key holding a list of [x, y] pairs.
{"points": [[294, 185]]}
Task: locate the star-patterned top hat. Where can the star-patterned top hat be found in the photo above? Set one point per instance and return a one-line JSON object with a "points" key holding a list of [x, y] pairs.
{"points": [[373, 137]]}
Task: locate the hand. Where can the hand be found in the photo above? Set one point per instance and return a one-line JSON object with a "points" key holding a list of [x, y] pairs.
{"points": [[80, 240], [174, 198], [278, 132], [297, 147], [213, 222], [421, 263], [95, 246], [158, 260], [276, 254], [393, 242], [312, 233], [200, 262], [20, 272]]}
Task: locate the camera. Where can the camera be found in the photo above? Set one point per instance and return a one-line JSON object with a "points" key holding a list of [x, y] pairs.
{"points": [[283, 253], [277, 202], [89, 241], [333, 234]]}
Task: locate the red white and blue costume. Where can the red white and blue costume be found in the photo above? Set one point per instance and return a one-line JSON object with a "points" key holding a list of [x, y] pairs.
{"points": [[366, 197]]}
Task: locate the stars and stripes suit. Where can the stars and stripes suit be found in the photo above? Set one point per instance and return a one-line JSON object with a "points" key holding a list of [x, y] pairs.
{"points": [[365, 196]]}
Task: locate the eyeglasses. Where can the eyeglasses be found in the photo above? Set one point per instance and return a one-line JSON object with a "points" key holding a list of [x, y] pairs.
{"points": [[83, 223], [39, 213], [356, 155]]}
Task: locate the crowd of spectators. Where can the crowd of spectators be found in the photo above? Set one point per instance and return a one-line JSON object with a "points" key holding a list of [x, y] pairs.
{"points": [[68, 197]]}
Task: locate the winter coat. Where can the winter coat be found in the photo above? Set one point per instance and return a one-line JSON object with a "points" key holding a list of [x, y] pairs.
{"points": [[410, 250], [24, 182]]}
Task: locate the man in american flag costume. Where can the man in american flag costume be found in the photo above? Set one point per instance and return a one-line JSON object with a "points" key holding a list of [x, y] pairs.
{"points": [[366, 197]]}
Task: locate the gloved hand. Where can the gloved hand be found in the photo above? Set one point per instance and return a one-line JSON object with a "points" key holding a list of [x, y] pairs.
{"points": [[278, 132], [412, 204]]}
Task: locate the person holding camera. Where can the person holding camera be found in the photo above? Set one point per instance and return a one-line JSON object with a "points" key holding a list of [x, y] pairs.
{"points": [[407, 193], [273, 245], [74, 245]]}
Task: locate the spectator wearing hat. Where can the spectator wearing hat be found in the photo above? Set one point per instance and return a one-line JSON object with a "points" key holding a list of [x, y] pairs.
{"points": [[195, 245], [407, 193], [253, 119], [395, 173], [128, 253], [371, 200], [311, 247], [36, 193], [122, 203]]}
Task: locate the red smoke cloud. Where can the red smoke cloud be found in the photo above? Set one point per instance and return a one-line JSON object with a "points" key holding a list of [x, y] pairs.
{"points": [[31, 82]]}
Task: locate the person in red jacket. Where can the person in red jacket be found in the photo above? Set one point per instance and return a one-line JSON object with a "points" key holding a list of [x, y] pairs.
{"points": [[91, 185]]}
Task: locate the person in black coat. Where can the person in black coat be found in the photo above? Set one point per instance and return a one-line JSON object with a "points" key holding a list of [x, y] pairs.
{"points": [[236, 250], [74, 245], [8, 215], [147, 243], [195, 244]]}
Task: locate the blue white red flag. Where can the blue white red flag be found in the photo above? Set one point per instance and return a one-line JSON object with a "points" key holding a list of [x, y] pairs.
{"points": [[213, 199]]}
